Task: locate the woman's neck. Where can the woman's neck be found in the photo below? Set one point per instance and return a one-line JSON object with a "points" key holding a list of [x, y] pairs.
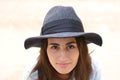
{"points": [[64, 76]]}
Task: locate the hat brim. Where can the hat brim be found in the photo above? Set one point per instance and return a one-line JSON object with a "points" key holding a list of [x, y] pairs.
{"points": [[89, 37]]}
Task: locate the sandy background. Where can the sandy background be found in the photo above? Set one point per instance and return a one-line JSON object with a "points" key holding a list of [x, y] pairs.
{"points": [[20, 19]]}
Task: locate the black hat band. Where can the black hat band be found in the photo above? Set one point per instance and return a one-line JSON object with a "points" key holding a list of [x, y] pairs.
{"points": [[64, 25]]}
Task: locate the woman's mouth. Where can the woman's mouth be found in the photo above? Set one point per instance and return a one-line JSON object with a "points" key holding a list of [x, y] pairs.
{"points": [[63, 65]]}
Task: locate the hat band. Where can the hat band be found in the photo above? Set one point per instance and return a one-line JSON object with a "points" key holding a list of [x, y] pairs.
{"points": [[64, 25]]}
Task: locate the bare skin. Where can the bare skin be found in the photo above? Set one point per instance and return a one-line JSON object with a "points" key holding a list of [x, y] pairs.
{"points": [[63, 55]]}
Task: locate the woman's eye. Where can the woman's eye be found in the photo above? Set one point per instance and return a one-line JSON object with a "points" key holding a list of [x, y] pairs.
{"points": [[54, 47], [71, 46]]}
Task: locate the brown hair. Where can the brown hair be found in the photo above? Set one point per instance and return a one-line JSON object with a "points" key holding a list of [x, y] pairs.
{"points": [[82, 70]]}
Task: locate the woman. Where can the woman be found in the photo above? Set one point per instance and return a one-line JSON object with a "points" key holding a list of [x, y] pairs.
{"points": [[63, 48]]}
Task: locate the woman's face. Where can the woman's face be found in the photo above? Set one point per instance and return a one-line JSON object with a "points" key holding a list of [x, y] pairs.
{"points": [[63, 54]]}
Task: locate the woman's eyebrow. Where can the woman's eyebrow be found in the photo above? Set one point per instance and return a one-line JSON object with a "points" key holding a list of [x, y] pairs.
{"points": [[54, 44], [72, 42]]}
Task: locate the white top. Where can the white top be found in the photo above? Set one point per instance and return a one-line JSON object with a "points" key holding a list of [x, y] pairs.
{"points": [[96, 73]]}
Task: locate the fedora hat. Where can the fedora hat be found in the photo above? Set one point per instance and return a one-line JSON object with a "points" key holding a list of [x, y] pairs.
{"points": [[62, 22]]}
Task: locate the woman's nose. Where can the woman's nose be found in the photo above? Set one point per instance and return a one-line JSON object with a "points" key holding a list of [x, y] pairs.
{"points": [[63, 55]]}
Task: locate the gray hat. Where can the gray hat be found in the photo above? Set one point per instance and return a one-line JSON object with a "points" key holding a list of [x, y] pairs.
{"points": [[62, 22]]}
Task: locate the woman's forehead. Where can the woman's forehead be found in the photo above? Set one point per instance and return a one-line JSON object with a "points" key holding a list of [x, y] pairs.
{"points": [[66, 39], [61, 40]]}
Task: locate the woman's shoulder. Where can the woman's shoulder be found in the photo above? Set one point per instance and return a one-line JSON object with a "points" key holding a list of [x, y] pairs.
{"points": [[96, 69], [95, 63], [27, 75], [33, 76]]}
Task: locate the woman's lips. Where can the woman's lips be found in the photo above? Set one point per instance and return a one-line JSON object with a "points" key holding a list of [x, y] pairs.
{"points": [[63, 65]]}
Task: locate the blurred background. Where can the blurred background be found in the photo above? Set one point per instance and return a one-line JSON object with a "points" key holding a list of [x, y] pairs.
{"points": [[20, 19]]}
